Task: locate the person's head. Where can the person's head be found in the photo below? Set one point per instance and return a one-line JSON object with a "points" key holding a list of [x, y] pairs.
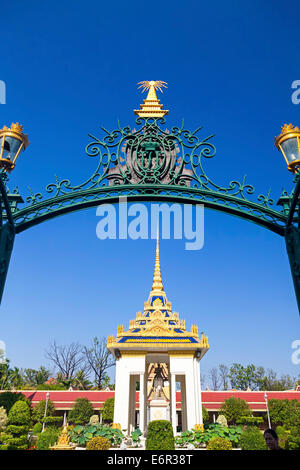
{"points": [[271, 439]]}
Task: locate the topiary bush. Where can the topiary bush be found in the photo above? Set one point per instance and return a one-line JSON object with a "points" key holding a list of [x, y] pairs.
{"points": [[252, 439], [47, 438], [219, 443], [19, 421], [38, 410], [250, 420], [81, 411], [293, 440], [37, 429], [98, 443], [234, 408], [8, 399], [108, 410], [205, 415], [160, 436]]}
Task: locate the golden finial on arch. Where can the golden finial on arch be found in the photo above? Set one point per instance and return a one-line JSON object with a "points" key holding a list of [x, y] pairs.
{"points": [[151, 106], [157, 84]]}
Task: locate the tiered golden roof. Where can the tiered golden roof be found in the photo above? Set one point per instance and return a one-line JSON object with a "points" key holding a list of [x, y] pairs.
{"points": [[157, 327], [151, 106]]}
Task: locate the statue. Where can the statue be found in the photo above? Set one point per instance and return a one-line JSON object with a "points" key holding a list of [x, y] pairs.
{"points": [[158, 382]]}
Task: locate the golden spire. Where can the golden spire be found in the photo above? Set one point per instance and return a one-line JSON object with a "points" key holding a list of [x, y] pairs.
{"points": [[151, 106], [157, 285]]}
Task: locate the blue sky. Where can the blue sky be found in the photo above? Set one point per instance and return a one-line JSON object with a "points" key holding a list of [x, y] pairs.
{"points": [[70, 67]]}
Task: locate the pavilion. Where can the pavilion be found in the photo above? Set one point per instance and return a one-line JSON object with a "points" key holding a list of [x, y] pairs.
{"points": [[157, 352]]}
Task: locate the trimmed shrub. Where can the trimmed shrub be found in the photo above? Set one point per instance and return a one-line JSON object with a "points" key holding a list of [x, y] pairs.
{"points": [[3, 418], [222, 421], [37, 428], [284, 412], [19, 414], [81, 411], [293, 441], [108, 410], [51, 387], [8, 399], [17, 430], [98, 443], [160, 436], [38, 410], [219, 443], [234, 408], [205, 415], [250, 420], [19, 420], [47, 439], [252, 439]]}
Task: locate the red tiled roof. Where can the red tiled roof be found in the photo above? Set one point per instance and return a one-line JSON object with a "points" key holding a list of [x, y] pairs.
{"points": [[212, 400]]}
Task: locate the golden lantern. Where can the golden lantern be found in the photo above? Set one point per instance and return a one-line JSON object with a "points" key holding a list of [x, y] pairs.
{"points": [[12, 143], [288, 142]]}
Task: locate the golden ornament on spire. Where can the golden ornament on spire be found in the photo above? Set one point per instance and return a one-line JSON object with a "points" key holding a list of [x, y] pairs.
{"points": [[157, 285], [151, 106]]}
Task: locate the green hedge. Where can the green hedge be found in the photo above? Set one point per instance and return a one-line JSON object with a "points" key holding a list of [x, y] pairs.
{"points": [[160, 436], [47, 439], [8, 399], [252, 439]]}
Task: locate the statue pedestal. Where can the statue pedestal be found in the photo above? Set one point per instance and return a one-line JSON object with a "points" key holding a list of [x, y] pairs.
{"points": [[159, 409]]}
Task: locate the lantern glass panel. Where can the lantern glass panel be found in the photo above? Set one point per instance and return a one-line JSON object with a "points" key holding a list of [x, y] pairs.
{"points": [[291, 149], [11, 147]]}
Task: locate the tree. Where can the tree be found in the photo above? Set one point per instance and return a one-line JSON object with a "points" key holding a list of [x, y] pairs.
{"points": [[67, 359], [33, 377], [284, 412], [81, 411], [242, 377], [4, 375], [270, 381], [223, 370], [214, 378], [98, 359], [234, 408], [80, 381]]}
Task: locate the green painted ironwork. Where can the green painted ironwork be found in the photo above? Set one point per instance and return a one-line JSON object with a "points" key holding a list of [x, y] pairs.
{"points": [[154, 164]]}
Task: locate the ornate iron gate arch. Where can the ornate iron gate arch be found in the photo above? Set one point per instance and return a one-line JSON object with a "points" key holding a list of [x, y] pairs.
{"points": [[149, 164]]}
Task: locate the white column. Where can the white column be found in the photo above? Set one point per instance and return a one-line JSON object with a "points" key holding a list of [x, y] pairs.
{"points": [[197, 413], [142, 402], [199, 391], [190, 394], [121, 394], [173, 402], [183, 405]]}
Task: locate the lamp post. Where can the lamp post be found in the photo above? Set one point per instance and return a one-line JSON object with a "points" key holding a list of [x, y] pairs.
{"points": [[45, 413], [288, 143], [12, 142], [267, 406]]}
